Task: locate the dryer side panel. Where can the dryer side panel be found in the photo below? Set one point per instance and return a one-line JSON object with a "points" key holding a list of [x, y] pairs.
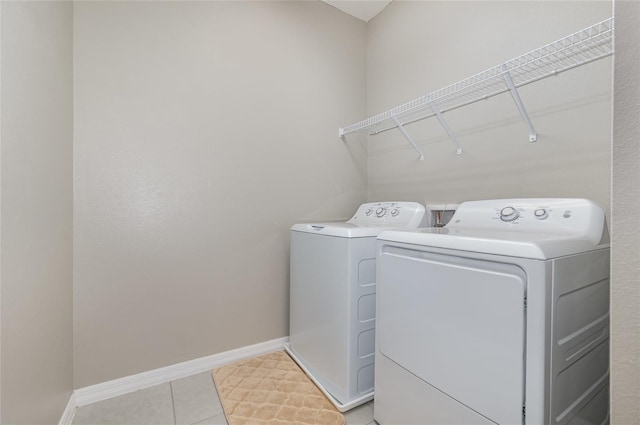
{"points": [[580, 341]]}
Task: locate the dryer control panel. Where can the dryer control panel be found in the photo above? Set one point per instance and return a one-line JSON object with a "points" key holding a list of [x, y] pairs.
{"points": [[396, 214], [561, 216]]}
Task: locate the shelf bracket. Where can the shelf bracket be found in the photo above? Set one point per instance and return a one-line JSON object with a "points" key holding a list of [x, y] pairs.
{"points": [[443, 123], [516, 98], [408, 137]]}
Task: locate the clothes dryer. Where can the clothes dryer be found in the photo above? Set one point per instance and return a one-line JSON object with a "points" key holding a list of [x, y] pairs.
{"points": [[332, 298], [500, 317]]}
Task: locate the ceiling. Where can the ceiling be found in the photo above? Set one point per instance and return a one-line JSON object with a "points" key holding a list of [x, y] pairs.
{"points": [[361, 9]]}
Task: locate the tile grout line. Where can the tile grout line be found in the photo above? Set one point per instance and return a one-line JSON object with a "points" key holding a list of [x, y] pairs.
{"points": [[173, 404]]}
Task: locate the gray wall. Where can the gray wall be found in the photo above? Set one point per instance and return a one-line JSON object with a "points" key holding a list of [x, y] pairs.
{"points": [[203, 131], [36, 213], [418, 47], [625, 288]]}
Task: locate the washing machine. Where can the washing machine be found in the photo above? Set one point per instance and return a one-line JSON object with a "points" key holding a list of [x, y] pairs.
{"points": [[499, 317], [332, 298]]}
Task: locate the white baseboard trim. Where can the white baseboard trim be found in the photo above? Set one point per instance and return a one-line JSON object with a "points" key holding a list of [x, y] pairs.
{"points": [[69, 411], [128, 384]]}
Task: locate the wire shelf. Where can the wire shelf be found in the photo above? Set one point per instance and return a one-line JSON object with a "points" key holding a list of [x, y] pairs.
{"points": [[579, 48]]}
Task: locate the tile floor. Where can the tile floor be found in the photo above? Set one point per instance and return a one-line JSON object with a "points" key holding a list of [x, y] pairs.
{"points": [[188, 401]]}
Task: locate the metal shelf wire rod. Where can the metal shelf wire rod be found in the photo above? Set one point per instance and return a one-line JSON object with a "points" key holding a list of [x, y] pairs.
{"points": [[582, 47]]}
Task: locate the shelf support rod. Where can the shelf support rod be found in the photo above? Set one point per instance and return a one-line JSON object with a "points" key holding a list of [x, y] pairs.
{"points": [[516, 98], [408, 137], [443, 123]]}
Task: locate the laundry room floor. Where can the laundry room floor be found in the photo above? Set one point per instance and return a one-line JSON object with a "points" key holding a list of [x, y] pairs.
{"points": [[188, 401]]}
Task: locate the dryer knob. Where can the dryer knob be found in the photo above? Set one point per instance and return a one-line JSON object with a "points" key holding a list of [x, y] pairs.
{"points": [[540, 214], [395, 212], [509, 214], [380, 212], [368, 212]]}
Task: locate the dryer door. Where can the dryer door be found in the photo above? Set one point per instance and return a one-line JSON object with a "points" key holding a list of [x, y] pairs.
{"points": [[458, 324]]}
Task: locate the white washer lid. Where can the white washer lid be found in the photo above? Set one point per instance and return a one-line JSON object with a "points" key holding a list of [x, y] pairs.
{"points": [[342, 229]]}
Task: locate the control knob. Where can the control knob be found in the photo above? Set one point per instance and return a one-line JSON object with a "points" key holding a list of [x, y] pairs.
{"points": [[368, 212], [380, 212], [509, 214], [395, 212], [540, 214]]}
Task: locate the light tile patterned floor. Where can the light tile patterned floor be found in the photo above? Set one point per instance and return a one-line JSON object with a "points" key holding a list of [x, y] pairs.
{"points": [[188, 401]]}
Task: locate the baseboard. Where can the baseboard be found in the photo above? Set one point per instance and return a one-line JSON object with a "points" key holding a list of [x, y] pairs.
{"points": [[69, 411], [128, 384]]}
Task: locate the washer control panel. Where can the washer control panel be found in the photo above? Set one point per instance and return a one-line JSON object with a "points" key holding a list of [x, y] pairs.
{"points": [[396, 214]]}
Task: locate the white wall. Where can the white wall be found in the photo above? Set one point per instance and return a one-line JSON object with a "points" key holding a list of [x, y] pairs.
{"points": [[418, 47], [625, 288], [36, 213], [203, 131]]}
